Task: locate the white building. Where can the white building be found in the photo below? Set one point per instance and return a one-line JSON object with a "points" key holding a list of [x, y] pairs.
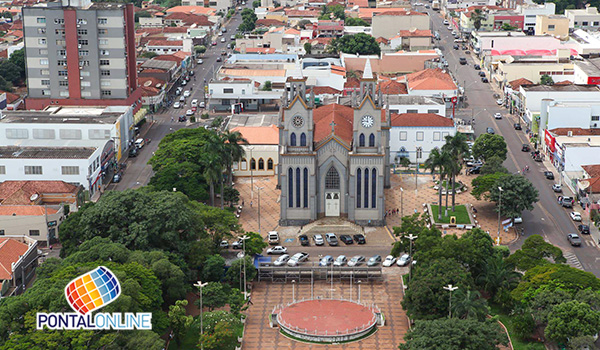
{"points": [[415, 135], [587, 18], [261, 154], [572, 114], [416, 104], [225, 93], [530, 11]]}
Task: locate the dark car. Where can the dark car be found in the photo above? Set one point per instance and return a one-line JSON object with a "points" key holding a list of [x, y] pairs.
{"points": [[484, 80], [584, 229], [574, 239], [490, 130], [133, 152], [549, 175], [464, 47], [474, 170], [182, 118], [477, 67], [219, 59], [525, 148], [346, 239], [360, 239], [481, 74], [304, 240], [517, 126], [462, 61], [456, 47]]}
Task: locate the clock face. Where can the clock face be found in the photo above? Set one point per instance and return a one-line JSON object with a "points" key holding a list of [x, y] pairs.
{"points": [[367, 121], [298, 121]]}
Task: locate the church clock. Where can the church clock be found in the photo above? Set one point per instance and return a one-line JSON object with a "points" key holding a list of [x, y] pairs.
{"points": [[298, 121], [367, 121]]}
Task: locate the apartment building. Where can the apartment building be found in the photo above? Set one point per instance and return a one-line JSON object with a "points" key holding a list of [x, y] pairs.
{"points": [[80, 53], [588, 18]]}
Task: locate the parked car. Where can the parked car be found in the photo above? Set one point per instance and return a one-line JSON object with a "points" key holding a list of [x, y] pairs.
{"points": [[497, 116], [474, 170], [277, 250], [273, 237], [462, 60], [331, 239], [195, 102], [177, 105], [318, 239], [525, 148], [359, 238], [232, 37], [456, 47], [224, 245], [584, 229], [374, 260], [575, 216], [182, 119], [484, 80], [340, 261], [346, 239], [239, 244], [477, 67], [446, 22], [183, 82], [490, 130], [182, 99], [281, 260], [303, 240], [549, 175], [202, 104], [223, 39], [189, 112], [574, 239], [133, 152], [356, 260], [518, 220], [566, 202], [199, 61], [517, 126], [557, 188], [499, 102], [186, 93], [481, 74], [219, 59], [297, 259], [389, 261], [474, 163], [403, 260], [116, 178], [327, 260]]}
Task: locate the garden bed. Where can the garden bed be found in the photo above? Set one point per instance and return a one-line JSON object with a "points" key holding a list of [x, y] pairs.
{"points": [[517, 343], [462, 216]]}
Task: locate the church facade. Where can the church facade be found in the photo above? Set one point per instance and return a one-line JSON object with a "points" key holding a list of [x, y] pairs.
{"points": [[334, 159]]}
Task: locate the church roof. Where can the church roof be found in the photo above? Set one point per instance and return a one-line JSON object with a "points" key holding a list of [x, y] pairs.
{"points": [[259, 135], [421, 119], [342, 116]]}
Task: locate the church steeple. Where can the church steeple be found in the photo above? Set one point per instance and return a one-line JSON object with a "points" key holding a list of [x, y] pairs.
{"points": [[295, 85], [368, 83]]}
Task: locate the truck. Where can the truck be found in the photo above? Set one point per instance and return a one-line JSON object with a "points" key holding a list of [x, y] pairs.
{"points": [[435, 5]]}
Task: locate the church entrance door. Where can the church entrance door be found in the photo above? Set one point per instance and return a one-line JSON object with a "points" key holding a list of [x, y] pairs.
{"points": [[332, 204]]}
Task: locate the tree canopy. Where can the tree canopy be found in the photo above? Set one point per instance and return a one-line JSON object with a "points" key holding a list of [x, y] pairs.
{"points": [[572, 319], [487, 146], [518, 194], [361, 43]]}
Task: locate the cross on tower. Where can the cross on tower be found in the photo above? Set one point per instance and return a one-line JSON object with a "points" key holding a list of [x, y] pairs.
{"points": [[333, 124]]}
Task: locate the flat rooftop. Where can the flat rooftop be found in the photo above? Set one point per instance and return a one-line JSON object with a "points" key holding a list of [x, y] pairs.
{"points": [[66, 115], [46, 153], [573, 87], [590, 66], [240, 120]]}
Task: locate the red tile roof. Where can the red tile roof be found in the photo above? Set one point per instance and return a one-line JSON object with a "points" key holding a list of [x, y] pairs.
{"points": [[516, 84], [319, 90], [189, 19], [592, 170], [162, 42], [20, 192], [594, 184], [430, 79], [564, 82], [10, 251], [382, 40], [302, 13], [343, 116], [259, 135], [421, 119], [26, 210], [352, 83], [392, 87], [414, 33], [168, 58], [260, 50], [10, 97], [269, 23], [182, 29]]}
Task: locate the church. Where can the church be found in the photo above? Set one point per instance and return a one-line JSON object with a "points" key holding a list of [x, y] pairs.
{"points": [[333, 159]]}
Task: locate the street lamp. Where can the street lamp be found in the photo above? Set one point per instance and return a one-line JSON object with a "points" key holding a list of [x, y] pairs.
{"points": [[499, 209], [294, 291], [258, 189], [401, 202], [359, 282], [251, 174], [451, 289], [411, 237], [200, 285], [244, 238]]}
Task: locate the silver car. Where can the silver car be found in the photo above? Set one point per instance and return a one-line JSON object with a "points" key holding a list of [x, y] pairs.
{"points": [[318, 239], [327, 260], [403, 260], [340, 261], [297, 259], [281, 260], [374, 260], [356, 260]]}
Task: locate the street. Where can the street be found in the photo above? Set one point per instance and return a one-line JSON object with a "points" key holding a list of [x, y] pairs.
{"points": [[547, 218]]}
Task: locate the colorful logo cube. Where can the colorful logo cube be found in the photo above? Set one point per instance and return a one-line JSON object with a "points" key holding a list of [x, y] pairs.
{"points": [[93, 290]]}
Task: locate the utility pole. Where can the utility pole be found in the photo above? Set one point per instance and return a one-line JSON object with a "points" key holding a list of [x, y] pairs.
{"points": [[259, 189], [200, 285], [411, 237], [499, 209], [401, 202], [451, 289], [251, 174]]}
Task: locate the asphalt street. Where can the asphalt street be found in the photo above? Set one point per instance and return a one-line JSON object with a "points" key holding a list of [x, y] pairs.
{"points": [[547, 218]]}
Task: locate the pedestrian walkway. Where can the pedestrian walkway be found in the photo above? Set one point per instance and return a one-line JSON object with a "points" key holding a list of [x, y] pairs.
{"points": [[269, 203], [572, 260]]}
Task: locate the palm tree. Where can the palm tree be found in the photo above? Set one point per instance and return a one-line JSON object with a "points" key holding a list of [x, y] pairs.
{"points": [[497, 274], [233, 142], [438, 160], [211, 173], [477, 16], [457, 148], [469, 304]]}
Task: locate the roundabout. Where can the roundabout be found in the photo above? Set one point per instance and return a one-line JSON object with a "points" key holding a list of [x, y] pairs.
{"points": [[327, 320]]}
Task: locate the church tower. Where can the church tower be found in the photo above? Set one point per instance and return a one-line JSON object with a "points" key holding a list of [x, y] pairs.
{"points": [[367, 114]]}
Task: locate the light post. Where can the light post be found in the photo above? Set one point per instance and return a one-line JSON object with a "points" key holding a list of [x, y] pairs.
{"points": [[351, 275], [401, 202], [294, 291], [243, 256], [251, 174], [258, 189], [200, 285], [451, 289], [499, 209], [359, 282], [417, 151], [411, 237]]}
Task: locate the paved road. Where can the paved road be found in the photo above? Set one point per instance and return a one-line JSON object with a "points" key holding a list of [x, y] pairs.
{"points": [[138, 172], [547, 218]]}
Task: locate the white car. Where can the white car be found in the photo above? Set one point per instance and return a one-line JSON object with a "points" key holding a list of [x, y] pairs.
{"points": [[449, 27], [557, 188], [223, 40], [183, 82], [518, 220], [277, 250], [356, 260], [318, 239], [499, 102], [498, 116], [475, 163], [446, 22], [177, 105], [186, 93], [201, 104], [220, 34], [403, 260], [195, 102], [340, 261], [199, 61], [281, 260], [297, 258], [389, 261], [575, 216], [189, 113]]}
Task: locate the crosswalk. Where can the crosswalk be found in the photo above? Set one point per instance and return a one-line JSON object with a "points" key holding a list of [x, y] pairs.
{"points": [[572, 260]]}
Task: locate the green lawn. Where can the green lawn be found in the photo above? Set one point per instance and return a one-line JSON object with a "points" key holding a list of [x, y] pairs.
{"points": [[517, 343], [462, 217]]}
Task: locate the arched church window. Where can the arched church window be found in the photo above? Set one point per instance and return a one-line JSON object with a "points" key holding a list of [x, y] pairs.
{"points": [[366, 188], [372, 140], [305, 187], [290, 188], [303, 139], [297, 187], [374, 187], [293, 139], [252, 164], [270, 164], [361, 140], [332, 179], [358, 183], [261, 164]]}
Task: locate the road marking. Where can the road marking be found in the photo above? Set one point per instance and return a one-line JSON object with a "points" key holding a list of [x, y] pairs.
{"points": [[573, 261]]}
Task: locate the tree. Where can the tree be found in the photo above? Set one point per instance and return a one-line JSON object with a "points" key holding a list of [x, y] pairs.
{"points": [[308, 48], [572, 319], [518, 194], [199, 49], [213, 269], [178, 320], [219, 224], [455, 334], [535, 251], [231, 195], [5, 85], [476, 17], [523, 325], [482, 184], [185, 177], [303, 23], [267, 86], [438, 160], [222, 338], [212, 318], [254, 243], [361, 43], [544, 300], [256, 3], [233, 275], [507, 27], [498, 276], [333, 12], [493, 165], [359, 22], [248, 21], [487, 146], [582, 342], [457, 148], [469, 304], [234, 142], [546, 80], [18, 59], [214, 295], [148, 54], [10, 72]]}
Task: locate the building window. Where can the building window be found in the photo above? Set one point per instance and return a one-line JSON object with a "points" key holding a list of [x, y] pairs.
{"points": [[64, 94], [62, 63], [42, 41], [104, 52], [358, 183], [551, 27], [34, 232], [82, 41], [69, 134], [403, 135], [42, 20], [366, 203], [45, 72], [372, 140], [103, 41], [101, 31], [303, 139], [228, 91], [419, 152], [61, 42], [595, 118], [59, 21], [2, 169], [17, 133], [332, 179], [46, 93], [86, 83], [244, 164], [596, 23], [361, 140], [584, 23], [44, 61], [102, 20], [44, 134], [98, 134], [61, 52], [261, 164], [59, 32], [81, 21], [84, 63], [41, 30], [70, 170], [105, 72], [412, 111], [434, 111], [270, 164], [104, 62], [86, 94], [437, 136], [46, 82], [290, 188], [293, 139], [252, 164], [305, 187], [297, 187], [105, 92], [83, 52], [373, 187], [63, 83], [420, 135], [33, 170], [82, 32]]}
